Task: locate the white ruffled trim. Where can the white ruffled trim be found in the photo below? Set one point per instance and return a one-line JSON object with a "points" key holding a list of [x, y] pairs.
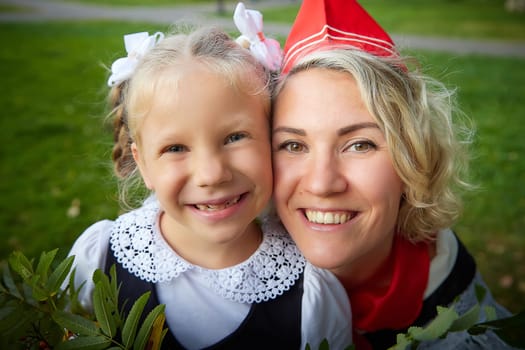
{"points": [[272, 269]]}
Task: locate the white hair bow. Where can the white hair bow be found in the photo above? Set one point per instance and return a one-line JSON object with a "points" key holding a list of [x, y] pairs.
{"points": [[137, 44], [250, 24]]}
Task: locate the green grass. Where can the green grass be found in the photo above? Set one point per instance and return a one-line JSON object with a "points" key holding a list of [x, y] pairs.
{"points": [[5, 8], [56, 149], [452, 18], [147, 2]]}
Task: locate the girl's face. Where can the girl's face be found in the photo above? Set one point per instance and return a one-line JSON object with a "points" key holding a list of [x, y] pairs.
{"points": [[204, 150], [335, 187]]}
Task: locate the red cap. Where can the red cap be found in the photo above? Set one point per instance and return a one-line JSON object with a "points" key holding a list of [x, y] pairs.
{"points": [[321, 23]]}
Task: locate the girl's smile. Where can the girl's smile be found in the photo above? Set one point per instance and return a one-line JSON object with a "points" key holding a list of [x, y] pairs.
{"points": [[220, 209], [209, 164], [219, 204]]}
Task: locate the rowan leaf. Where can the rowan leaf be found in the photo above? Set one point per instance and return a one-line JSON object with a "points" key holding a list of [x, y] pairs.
{"points": [[467, 320], [59, 275], [44, 264], [11, 317], [10, 284], [21, 265], [437, 327], [129, 330], [97, 342], [509, 329], [145, 330], [324, 345], [103, 311], [75, 323]]}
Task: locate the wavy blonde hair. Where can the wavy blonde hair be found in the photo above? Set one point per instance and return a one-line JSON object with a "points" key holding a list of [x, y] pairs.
{"points": [[416, 113]]}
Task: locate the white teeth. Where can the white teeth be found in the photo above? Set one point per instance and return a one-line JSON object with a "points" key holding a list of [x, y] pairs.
{"points": [[213, 207], [321, 217]]}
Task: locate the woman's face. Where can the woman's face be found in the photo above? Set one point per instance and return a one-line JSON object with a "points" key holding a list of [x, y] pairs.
{"points": [[335, 189]]}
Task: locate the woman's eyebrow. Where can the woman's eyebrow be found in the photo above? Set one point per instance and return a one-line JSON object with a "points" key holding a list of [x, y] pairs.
{"points": [[343, 131], [289, 130], [354, 127]]}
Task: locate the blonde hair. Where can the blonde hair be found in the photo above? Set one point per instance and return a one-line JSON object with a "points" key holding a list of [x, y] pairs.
{"points": [[415, 112], [130, 101]]}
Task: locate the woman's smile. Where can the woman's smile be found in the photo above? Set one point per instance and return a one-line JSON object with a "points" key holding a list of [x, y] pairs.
{"points": [[328, 217]]}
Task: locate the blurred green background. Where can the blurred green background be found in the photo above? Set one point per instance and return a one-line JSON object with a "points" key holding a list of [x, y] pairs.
{"points": [[55, 169]]}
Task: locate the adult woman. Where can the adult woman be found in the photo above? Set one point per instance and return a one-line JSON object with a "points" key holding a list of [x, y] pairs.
{"points": [[367, 162]]}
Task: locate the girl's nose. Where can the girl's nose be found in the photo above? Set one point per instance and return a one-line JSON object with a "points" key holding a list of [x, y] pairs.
{"points": [[211, 169], [324, 176]]}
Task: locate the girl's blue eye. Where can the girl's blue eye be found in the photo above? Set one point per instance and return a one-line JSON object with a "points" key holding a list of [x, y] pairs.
{"points": [[176, 149], [235, 137]]}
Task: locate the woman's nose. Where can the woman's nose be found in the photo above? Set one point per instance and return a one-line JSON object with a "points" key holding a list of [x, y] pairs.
{"points": [[324, 176], [211, 169]]}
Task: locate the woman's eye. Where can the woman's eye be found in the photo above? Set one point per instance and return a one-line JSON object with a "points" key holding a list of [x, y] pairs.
{"points": [[176, 149], [235, 137], [361, 146], [292, 147]]}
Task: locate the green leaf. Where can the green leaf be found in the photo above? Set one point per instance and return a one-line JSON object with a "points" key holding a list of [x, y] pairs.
{"points": [[509, 329], [113, 278], [467, 320], [129, 329], [158, 332], [107, 288], [85, 343], [142, 337], [59, 275], [7, 314], [27, 293], [13, 318], [38, 292], [438, 326], [75, 323], [490, 313], [37, 289], [324, 345], [480, 292], [75, 305], [21, 265], [402, 342], [104, 310], [44, 264], [10, 284]]}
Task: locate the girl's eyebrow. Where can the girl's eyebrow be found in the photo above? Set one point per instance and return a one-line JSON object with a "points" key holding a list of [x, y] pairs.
{"points": [[343, 131]]}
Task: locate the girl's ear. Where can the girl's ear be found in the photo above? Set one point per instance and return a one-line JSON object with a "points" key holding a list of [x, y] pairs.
{"points": [[142, 168]]}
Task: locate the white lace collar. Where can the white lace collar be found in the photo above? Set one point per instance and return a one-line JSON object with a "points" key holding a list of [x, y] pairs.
{"points": [[272, 269]]}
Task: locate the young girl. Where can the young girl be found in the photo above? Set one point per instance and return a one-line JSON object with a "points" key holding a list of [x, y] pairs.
{"points": [[192, 118]]}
